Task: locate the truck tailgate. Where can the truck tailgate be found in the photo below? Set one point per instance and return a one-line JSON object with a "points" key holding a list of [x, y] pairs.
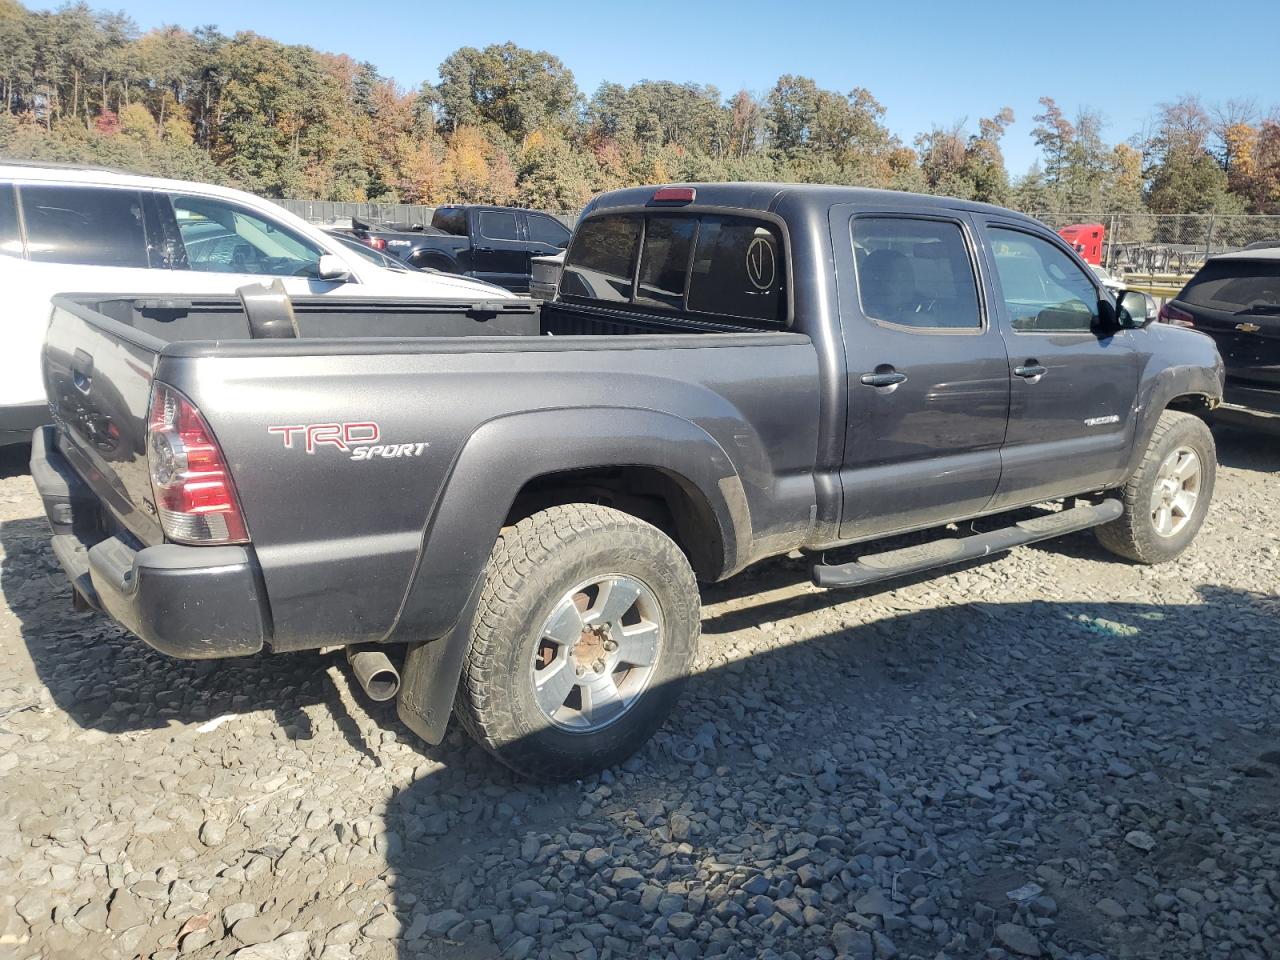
{"points": [[98, 379]]}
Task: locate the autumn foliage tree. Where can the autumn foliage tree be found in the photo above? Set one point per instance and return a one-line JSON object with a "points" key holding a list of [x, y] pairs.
{"points": [[506, 124]]}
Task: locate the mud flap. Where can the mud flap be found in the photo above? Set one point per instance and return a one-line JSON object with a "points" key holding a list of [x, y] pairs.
{"points": [[429, 681]]}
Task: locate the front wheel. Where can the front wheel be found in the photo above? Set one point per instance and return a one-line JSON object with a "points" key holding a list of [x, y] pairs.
{"points": [[587, 624], [1166, 499]]}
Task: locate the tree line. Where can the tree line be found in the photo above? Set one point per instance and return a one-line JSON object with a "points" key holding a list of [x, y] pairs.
{"points": [[506, 124]]}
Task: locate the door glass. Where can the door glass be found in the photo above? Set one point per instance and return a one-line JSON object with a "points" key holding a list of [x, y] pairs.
{"points": [[915, 273], [222, 237], [545, 230], [94, 226], [10, 237], [1043, 289], [495, 225]]}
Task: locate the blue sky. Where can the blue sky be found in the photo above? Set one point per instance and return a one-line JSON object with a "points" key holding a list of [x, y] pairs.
{"points": [[927, 62]]}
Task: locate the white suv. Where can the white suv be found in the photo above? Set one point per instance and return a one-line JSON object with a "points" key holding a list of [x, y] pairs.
{"points": [[74, 229]]}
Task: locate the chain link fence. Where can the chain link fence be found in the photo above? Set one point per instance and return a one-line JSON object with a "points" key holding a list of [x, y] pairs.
{"points": [[336, 211], [1174, 244], [330, 212]]}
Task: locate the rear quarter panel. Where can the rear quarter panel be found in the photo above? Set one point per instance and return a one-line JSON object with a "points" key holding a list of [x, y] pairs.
{"points": [[456, 250], [339, 539]]}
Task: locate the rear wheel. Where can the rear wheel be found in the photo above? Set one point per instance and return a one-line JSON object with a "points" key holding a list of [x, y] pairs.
{"points": [[586, 627], [1166, 499]]}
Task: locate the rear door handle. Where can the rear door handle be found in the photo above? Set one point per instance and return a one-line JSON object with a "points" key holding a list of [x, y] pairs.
{"points": [[883, 379], [1030, 370]]}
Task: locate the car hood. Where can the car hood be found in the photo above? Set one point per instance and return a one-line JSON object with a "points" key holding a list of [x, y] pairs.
{"points": [[429, 283]]}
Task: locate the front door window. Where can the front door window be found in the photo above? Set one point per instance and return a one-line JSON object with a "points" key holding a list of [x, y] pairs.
{"points": [[222, 237]]}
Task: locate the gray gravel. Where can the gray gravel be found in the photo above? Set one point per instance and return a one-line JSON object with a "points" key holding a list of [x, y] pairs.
{"points": [[1048, 754]]}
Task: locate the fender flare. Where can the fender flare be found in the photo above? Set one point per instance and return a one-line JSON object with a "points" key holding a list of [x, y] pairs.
{"points": [[1159, 391], [434, 259], [496, 462]]}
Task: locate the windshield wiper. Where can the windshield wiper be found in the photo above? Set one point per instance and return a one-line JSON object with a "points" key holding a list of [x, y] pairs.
{"points": [[1256, 308]]}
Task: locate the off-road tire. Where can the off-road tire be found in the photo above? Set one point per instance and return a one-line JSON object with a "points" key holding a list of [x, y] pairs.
{"points": [[1133, 534], [532, 565]]}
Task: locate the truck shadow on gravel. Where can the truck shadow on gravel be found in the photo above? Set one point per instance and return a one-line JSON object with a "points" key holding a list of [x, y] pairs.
{"points": [[880, 781], [899, 778], [1248, 449], [15, 460]]}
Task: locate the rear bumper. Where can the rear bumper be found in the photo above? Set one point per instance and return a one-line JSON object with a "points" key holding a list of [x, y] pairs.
{"points": [[195, 603]]}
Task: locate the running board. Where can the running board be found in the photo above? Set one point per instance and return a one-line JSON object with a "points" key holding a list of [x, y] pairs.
{"points": [[908, 560]]}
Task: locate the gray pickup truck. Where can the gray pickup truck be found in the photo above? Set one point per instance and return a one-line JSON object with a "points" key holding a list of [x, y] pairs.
{"points": [[511, 526]]}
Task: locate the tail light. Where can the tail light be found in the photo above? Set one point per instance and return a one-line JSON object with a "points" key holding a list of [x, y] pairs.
{"points": [[377, 243], [194, 494], [1179, 318]]}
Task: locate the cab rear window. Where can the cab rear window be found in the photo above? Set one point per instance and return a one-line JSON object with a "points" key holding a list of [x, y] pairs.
{"points": [[723, 268], [1236, 286]]}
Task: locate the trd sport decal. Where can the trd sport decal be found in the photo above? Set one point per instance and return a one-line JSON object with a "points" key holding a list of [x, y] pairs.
{"points": [[358, 440]]}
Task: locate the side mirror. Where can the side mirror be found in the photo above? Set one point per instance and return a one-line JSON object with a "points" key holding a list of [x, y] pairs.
{"points": [[332, 268], [1135, 310]]}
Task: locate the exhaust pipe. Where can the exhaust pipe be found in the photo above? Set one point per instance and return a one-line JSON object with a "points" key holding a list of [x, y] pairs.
{"points": [[377, 675]]}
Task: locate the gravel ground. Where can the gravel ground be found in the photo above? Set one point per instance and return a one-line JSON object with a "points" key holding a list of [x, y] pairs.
{"points": [[1047, 754]]}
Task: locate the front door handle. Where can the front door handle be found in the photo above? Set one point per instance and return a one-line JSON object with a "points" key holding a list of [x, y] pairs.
{"points": [[883, 379], [1030, 370]]}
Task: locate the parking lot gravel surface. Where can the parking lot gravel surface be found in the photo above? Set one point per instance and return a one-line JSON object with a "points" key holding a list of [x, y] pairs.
{"points": [[1049, 753]]}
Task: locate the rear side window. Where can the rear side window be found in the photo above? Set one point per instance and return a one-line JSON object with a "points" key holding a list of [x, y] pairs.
{"points": [[915, 273], [450, 220], [545, 230], [1236, 286], [94, 226], [721, 266], [10, 236], [495, 225]]}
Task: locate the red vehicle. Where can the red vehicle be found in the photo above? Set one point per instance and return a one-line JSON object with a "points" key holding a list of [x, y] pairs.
{"points": [[1086, 239]]}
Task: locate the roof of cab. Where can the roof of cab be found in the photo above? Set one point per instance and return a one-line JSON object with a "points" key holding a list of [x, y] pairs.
{"points": [[796, 198], [1259, 253]]}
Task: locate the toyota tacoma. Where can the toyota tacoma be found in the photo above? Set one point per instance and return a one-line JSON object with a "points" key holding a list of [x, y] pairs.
{"points": [[511, 528]]}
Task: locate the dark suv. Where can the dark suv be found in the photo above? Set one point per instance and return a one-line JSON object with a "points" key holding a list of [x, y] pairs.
{"points": [[1235, 298]]}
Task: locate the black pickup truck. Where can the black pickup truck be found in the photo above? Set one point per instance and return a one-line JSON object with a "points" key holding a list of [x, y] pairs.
{"points": [[488, 243], [511, 528]]}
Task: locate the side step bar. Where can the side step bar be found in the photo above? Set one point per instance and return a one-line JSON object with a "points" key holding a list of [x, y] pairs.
{"points": [[908, 560]]}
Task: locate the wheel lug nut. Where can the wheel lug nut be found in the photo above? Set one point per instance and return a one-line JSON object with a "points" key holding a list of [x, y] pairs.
{"points": [[580, 671], [610, 645], [599, 666]]}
